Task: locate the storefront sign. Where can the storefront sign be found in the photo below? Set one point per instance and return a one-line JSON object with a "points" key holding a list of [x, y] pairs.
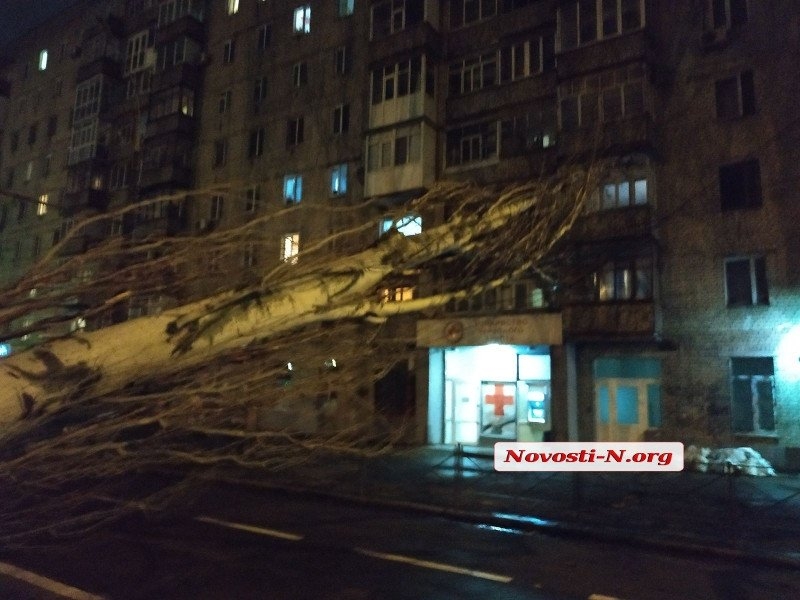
{"points": [[544, 328]]}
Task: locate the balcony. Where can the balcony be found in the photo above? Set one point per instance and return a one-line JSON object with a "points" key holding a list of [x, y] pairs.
{"points": [[633, 222], [174, 176], [169, 225], [519, 92], [631, 134], [186, 74], [422, 35], [176, 123], [187, 26], [75, 202], [604, 54], [611, 320], [103, 65]]}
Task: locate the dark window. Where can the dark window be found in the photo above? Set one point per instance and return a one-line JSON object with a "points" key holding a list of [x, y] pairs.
{"points": [[229, 52], [52, 126], [341, 60], [264, 37], [753, 396], [746, 281], [341, 119], [735, 96], [729, 13], [294, 131], [32, 134], [740, 185], [256, 145], [220, 152], [14, 141]]}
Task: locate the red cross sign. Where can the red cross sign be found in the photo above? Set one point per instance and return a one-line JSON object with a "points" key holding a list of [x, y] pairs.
{"points": [[499, 400]]}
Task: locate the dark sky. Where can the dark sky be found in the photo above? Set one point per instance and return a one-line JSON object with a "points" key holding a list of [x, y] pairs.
{"points": [[17, 16]]}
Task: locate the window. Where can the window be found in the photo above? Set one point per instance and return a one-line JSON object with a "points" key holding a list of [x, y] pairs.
{"points": [[472, 143], [746, 281], [398, 147], [735, 96], [619, 194], [118, 177], [228, 51], [408, 225], [172, 10], [42, 60], [585, 21], [172, 101], [290, 248], [136, 52], [465, 12], [341, 119], [728, 13], [259, 93], [339, 180], [611, 96], [249, 258], [52, 126], [473, 74], [400, 79], [294, 132], [292, 189], [299, 74], [346, 7], [529, 131], [396, 294], [252, 198], [217, 204], [28, 170], [264, 37], [41, 206], [256, 145], [526, 58], [225, 101], [220, 152], [740, 185], [302, 19], [32, 130], [752, 395], [13, 142], [624, 279], [36, 248], [391, 16], [341, 60], [233, 7], [46, 162]]}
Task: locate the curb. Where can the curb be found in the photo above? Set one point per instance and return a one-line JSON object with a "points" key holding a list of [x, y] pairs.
{"points": [[675, 543]]}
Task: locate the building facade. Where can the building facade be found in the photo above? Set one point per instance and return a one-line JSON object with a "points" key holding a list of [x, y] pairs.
{"points": [[673, 312]]}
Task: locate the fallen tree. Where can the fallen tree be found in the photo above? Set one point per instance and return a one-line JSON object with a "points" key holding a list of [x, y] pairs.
{"points": [[186, 386]]}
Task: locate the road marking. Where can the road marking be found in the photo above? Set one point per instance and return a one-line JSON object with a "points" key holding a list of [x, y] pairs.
{"points": [[434, 565], [50, 585], [284, 535]]}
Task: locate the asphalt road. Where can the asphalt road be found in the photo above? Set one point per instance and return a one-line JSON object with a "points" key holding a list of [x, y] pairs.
{"points": [[237, 543]]}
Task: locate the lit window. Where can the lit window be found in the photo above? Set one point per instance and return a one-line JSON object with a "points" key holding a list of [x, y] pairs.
{"points": [[293, 189], [346, 7], [624, 279], [339, 180], [290, 248], [42, 60], [408, 225], [620, 195], [397, 294], [302, 19], [233, 7]]}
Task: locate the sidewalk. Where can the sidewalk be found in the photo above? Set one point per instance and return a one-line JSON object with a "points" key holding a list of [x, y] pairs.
{"points": [[749, 518]]}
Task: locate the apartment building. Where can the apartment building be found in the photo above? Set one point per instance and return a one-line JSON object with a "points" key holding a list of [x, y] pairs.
{"points": [[672, 313]]}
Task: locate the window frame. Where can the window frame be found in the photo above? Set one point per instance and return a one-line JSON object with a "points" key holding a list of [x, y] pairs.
{"points": [[292, 189], [756, 281], [301, 20]]}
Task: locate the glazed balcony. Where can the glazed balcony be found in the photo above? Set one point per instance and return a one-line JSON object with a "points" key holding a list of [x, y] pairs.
{"points": [[634, 320]]}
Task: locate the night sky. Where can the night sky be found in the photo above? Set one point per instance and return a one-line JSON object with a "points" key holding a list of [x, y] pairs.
{"points": [[17, 16]]}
